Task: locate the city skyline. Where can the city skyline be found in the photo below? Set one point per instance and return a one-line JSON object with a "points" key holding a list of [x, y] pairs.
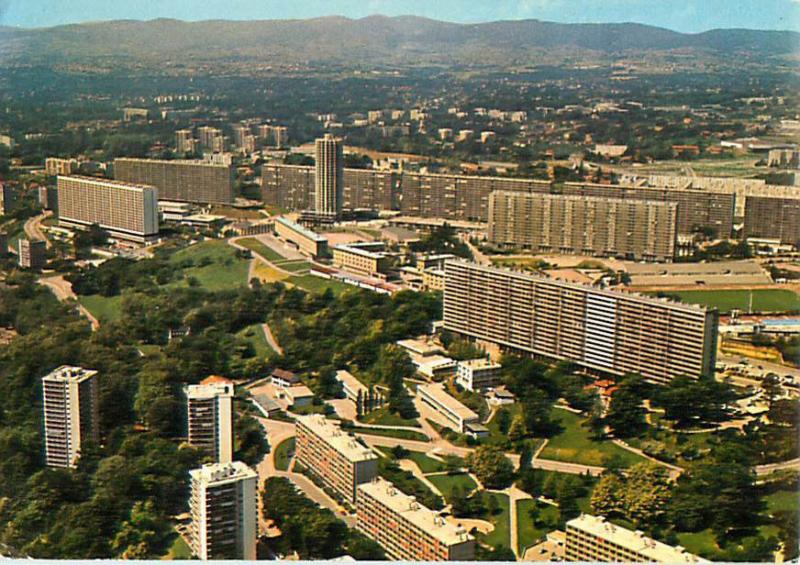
{"points": [[693, 16]]}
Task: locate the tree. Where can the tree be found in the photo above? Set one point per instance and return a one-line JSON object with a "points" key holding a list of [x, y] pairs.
{"points": [[536, 406], [503, 420], [606, 499], [491, 466], [625, 413], [518, 430], [686, 400], [141, 536]]}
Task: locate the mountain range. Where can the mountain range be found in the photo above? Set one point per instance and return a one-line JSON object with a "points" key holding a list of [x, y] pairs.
{"points": [[374, 40]]}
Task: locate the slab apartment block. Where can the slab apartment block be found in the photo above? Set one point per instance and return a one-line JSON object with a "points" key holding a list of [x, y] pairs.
{"points": [[583, 225], [195, 181], [605, 331], [125, 210]]}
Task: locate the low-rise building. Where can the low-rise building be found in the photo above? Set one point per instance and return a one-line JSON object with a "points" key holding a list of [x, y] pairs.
{"points": [[304, 238], [435, 367], [458, 416], [366, 259], [405, 529], [433, 261], [298, 395], [339, 460], [284, 378], [433, 280], [366, 398], [478, 374], [593, 538], [54, 166]]}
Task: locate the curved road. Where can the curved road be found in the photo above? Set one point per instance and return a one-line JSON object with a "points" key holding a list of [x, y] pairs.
{"points": [[33, 228], [63, 291]]}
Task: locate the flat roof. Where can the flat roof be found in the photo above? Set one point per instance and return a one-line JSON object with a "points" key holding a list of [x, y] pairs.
{"points": [[407, 506], [108, 182], [331, 431], [220, 473], [420, 346], [614, 294], [348, 379], [440, 395], [68, 373], [674, 269], [635, 541], [209, 390], [298, 391], [360, 251], [185, 162], [480, 363], [301, 230]]}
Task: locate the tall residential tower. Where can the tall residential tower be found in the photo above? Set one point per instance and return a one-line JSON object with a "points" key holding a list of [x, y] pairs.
{"points": [[210, 417], [329, 176]]}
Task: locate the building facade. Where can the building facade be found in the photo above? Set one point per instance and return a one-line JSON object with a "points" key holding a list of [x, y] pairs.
{"points": [[595, 539], [328, 176], [478, 374], [363, 259], [126, 211], [31, 253], [605, 331], [405, 529], [583, 225], [182, 180], [71, 417], [458, 416], [210, 419], [55, 166], [8, 198], [224, 510], [772, 218], [339, 460]]}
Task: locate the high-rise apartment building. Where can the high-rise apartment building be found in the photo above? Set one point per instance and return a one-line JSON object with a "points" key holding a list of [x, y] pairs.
{"points": [[209, 408], [605, 331], [696, 208], [182, 180], [405, 529], [339, 460], [125, 210], [224, 510], [595, 539], [31, 253], [3, 244], [8, 198], [54, 166], [71, 418], [328, 176], [583, 225], [772, 218], [184, 141]]}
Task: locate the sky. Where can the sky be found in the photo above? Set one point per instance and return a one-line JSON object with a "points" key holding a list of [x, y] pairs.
{"points": [[681, 15]]}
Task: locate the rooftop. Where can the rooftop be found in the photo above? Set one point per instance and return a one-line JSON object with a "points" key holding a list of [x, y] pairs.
{"points": [[360, 250], [209, 390], [349, 380], [329, 430], [408, 507], [421, 346], [106, 182], [480, 363], [651, 549], [298, 391], [439, 394], [67, 373], [195, 162], [219, 473], [301, 230]]}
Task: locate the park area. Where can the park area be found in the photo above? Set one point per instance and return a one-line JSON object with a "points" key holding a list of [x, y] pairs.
{"points": [[759, 300]]}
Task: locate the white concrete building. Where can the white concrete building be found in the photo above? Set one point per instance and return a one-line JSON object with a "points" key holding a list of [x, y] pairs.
{"points": [[210, 417]]}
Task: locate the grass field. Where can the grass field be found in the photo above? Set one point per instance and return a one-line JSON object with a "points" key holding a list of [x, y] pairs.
{"points": [[446, 483], [255, 335], [783, 500], [400, 434], [574, 444], [528, 533], [283, 454], [501, 534], [216, 266], [265, 251], [764, 300], [105, 309], [293, 266], [179, 550], [312, 283], [267, 273], [383, 417]]}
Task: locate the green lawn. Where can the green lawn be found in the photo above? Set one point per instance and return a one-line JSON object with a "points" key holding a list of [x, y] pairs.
{"points": [[293, 266], [783, 500], [764, 300], [265, 251], [383, 417], [700, 543], [255, 335], [216, 266], [530, 531], [105, 309], [574, 444], [313, 283], [400, 434], [283, 454], [501, 534], [179, 550], [674, 447], [446, 483]]}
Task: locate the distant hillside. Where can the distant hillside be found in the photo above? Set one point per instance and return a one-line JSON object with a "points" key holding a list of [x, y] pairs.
{"points": [[372, 40]]}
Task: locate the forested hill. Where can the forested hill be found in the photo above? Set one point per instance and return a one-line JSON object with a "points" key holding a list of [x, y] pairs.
{"points": [[374, 40]]}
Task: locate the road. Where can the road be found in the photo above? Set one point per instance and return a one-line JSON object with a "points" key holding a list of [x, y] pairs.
{"points": [[33, 228], [271, 341], [63, 291], [774, 467], [477, 255]]}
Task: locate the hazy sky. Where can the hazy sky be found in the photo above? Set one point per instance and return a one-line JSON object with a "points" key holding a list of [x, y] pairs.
{"points": [[681, 15]]}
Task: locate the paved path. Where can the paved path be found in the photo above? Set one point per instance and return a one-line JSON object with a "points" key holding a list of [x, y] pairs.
{"points": [[775, 467], [33, 228], [271, 341], [514, 494], [63, 291]]}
